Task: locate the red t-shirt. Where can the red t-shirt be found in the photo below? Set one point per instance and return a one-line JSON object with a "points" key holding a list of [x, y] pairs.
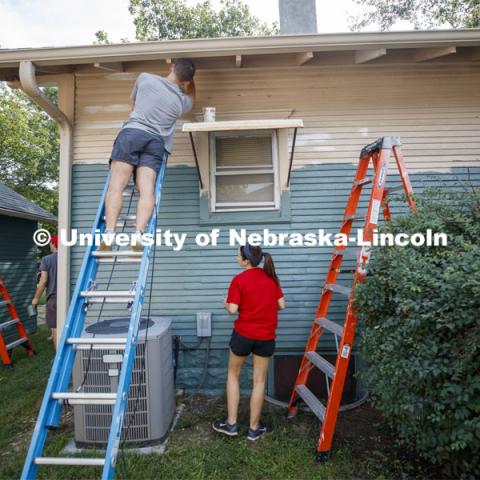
{"points": [[256, 295]]}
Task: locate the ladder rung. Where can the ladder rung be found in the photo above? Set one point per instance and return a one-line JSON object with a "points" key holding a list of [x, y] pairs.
{"points": [[106, 293], [8, 324], [116, 253], [363, 181], [353, 218], [82, 398], [334, 287], [327, 324], [120, 260], [311, 400], [321, 363], [16, 343], [4, 302], [97, 340], [85, 462], [395, 188], [86, 343], [126, 217], [100, 296], [128, 191]]}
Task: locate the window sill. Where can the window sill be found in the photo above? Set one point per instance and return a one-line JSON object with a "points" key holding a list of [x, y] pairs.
{"points": [[247, 216]]}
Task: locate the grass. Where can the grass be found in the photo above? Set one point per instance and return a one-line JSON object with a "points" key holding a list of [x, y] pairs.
{"points": [[362, 449]]}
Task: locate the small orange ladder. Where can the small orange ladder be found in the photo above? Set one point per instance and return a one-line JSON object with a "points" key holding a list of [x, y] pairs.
{"points": [[5, 349], [379, 153]]}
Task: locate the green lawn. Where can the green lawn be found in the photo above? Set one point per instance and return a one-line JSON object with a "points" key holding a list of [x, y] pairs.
{"points": [[363, 448]]}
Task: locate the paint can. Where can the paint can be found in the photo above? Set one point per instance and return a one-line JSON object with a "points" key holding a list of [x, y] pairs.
{"points": [[31, 310], [209, 114]]}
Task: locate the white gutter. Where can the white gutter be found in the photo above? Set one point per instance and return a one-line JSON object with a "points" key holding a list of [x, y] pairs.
{"points": [[28, 84], [213, 47]]}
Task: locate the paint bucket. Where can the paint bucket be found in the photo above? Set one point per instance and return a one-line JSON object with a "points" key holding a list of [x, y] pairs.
{"points": [[31, 310], [209, 114]]}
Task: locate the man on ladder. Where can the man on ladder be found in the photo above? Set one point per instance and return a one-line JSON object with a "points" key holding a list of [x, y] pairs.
{"points": [[144, 138], [142, 147]]}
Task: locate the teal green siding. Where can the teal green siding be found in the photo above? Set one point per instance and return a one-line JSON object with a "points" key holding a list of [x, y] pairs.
{"points": [[196, 279], [18, 267]]}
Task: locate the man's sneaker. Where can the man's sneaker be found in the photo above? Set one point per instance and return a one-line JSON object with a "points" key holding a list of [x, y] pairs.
{"points": [[223, 426], [256, 434], [138, 247], [103, 247]]}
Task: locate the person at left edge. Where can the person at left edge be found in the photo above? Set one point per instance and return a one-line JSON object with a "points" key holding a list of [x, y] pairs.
{"points": [[48, 282]]}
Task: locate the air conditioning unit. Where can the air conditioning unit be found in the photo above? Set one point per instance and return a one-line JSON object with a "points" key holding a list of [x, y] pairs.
{"points": [[151, 399]]}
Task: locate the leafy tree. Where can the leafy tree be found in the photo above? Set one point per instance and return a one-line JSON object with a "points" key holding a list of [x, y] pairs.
{"points": [[420, 332], [421, 13], [29, 148], [174, 19], [102, 37]]}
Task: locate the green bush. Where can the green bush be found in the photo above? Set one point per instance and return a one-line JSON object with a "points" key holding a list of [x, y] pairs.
{"points": [[419, 317]]}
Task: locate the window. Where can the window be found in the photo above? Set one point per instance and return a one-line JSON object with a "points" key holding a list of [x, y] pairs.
{"points": [[244, 168]]}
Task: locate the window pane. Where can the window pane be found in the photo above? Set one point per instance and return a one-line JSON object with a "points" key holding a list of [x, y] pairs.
{"points": [[245, 188], [243, 151]]}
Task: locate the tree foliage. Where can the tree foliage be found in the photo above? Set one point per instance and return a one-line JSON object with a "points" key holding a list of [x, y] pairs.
{"points": [[421, 13], [102, 38], [29, 148], [419, 312], [174, 19]]}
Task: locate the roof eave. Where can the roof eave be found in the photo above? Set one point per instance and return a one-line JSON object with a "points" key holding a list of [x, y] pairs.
{"points": [[28, 216], [214, 47]]}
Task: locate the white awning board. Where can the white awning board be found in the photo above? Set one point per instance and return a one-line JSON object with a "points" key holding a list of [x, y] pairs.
{"points": [[242, 125]]}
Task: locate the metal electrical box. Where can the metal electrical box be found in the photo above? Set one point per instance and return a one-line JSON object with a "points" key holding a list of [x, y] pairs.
{"points": [[204, 324]]}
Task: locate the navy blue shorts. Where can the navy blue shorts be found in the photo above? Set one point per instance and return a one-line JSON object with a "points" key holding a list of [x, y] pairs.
{"points": [[138, 148], [243, 346]]}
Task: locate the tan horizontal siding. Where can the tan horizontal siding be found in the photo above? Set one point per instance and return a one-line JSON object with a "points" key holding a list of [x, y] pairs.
{"points": [[435, 109]]}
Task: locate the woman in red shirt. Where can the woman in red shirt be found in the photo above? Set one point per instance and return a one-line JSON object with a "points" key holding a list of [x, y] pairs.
{"points": [[256, 295]]}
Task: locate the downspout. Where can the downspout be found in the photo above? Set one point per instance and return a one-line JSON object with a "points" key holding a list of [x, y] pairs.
{"points": [[28, 84]]}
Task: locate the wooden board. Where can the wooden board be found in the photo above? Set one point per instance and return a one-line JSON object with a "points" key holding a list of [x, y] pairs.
{"points": [[241, 125]]}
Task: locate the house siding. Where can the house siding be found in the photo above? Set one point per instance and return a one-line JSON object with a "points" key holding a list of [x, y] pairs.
{"points": [[434, 108], [196, 279], [18, 266]]}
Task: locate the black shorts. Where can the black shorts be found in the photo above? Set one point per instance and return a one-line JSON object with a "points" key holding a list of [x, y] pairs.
{"points": [[138, 148], [51, 313], [243, 346]]}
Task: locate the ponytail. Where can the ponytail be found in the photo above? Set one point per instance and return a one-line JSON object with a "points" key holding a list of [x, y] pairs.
{"points": [[254, 255], [269, 267]]}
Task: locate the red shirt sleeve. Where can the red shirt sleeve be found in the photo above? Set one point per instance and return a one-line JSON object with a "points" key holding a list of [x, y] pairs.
{"points": [[234, 292], [279, 292]]}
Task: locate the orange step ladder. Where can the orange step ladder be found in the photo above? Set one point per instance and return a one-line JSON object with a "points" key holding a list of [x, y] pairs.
{"points": [[5, 349], [378, 153]]}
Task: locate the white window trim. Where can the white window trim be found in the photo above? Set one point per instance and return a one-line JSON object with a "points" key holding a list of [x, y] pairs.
{"points": [[251, 206]]}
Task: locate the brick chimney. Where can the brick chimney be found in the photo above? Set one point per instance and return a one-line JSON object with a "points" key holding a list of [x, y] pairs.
{"points": [[297, 16]]}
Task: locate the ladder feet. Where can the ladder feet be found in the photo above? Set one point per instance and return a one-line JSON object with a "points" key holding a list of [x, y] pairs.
{"points": [[292, 413], [322, 457]]}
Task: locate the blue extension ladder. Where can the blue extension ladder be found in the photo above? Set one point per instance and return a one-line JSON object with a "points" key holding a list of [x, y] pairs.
{"points": [[56, 394]]}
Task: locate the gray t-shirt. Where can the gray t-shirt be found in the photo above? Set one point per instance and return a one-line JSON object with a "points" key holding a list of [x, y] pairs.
{"points": [[158, 104], [49, 264]]}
